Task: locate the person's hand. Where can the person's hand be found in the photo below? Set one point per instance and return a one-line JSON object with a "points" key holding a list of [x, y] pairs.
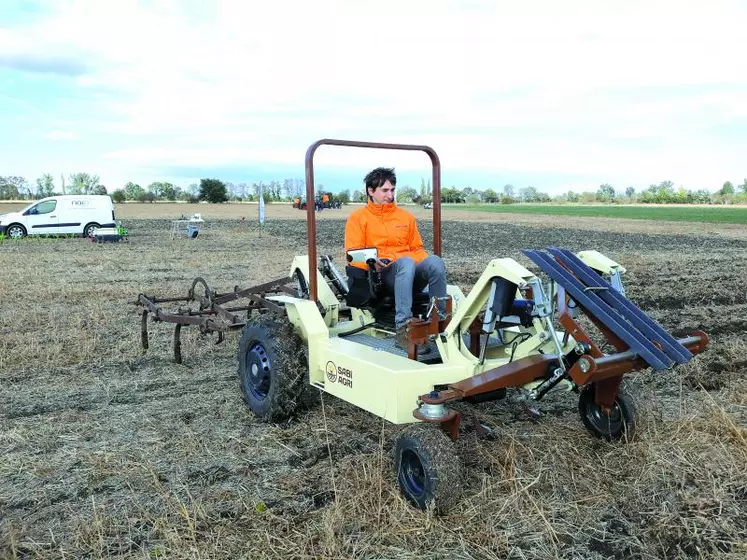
{"points": [[381, 265]]}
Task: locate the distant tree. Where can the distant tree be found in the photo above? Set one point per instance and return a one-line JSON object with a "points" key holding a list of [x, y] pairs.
{"points": [[605, 193], [572, 197], [99, 189], [630, 193], [82, 183], [344, 196], [45, 186], [357, 196], [162, 190], [701, 196], [134, 192], [213, 190], [508, 191], [743, 187], [406, 194], [12, 187], [451, 194], [527, 194], [288, 188], [119, 196], [726, 189], [490, 196]]}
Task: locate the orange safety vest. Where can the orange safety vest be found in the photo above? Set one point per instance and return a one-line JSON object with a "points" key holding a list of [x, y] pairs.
{"points": [[389, 228]]}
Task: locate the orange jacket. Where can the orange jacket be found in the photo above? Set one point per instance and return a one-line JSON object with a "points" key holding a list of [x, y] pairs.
{"points": [[392, 230]]}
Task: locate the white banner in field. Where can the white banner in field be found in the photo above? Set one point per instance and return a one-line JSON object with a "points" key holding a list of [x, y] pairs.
{"points": [[261, 207]]}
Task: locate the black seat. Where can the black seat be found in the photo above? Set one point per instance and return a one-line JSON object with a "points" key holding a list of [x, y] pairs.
{"points": [[367, 290]]}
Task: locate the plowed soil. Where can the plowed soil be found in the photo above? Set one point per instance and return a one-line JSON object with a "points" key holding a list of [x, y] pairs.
{"points": [[108, 451]]}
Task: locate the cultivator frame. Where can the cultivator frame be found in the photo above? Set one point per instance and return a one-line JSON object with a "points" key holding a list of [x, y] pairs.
{"points": [[212, 315]]}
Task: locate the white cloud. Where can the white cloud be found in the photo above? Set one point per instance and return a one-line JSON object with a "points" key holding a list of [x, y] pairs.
{"points": [[61, 135], [566, 88]]}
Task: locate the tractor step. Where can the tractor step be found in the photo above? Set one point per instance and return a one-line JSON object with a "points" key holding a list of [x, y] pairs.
{"points": [[641, 333]]}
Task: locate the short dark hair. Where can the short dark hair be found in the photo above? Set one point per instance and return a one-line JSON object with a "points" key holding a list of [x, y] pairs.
{"points": [[379, 176]]}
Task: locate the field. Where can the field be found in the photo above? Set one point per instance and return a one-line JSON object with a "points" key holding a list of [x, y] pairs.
{"points": [[669, 212], [111, 452]]}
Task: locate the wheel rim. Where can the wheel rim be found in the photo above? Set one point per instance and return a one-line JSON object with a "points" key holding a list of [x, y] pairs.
{"points": [[90, 230], [258, 378], [612, 423], [15, 232], [412, 473]]}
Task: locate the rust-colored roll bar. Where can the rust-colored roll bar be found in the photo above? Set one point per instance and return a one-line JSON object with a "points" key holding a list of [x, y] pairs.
{"points": [[310, 197]]}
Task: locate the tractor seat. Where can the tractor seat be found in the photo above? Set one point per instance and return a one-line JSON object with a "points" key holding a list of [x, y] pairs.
{"points": [[377, 296]]}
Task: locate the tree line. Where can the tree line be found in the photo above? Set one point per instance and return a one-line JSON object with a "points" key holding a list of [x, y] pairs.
{"points": [[215, 190]]}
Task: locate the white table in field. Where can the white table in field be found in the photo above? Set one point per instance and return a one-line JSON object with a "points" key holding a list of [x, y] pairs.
{"points": [[187, 226]]}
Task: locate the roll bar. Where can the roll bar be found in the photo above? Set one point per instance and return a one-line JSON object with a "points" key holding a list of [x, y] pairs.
{"points": [[311, 209]]}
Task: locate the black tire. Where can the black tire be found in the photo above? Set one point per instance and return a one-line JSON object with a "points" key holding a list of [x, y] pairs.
{"points": [[618, 424], [429, 472], [272, 369], [302, 286], [15, 231], [90, 228]]}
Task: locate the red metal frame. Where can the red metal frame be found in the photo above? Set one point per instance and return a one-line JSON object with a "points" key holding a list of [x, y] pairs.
{"points": [[311, 211]]}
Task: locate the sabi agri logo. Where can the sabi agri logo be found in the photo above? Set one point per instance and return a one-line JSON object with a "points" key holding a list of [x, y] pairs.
{"points": [[331, 372]]}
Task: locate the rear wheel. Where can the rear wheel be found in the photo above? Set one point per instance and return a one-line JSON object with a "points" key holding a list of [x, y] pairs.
{"points": [[272, 367], [429, 473], [16, 231], [617, 423], [90, 228]]}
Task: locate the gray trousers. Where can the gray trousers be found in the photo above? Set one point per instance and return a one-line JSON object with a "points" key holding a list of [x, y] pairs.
{"points": [[404, 277]]}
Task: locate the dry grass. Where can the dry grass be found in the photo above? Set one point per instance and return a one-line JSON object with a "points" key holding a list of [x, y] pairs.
{"points": [[111, 453]]}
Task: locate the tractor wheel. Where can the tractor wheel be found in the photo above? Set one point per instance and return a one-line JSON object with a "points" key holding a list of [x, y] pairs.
{"points": [[618, 424], [272, 369], [301, 285], [429, 472]]}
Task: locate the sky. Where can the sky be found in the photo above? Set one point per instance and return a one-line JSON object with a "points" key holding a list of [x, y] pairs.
{"points": [[557, 95]]}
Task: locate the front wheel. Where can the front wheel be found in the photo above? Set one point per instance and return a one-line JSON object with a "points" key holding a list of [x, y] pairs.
{"points": [[16, 231], [429, 473], [617, 423], [90, 228], [272, 367]]}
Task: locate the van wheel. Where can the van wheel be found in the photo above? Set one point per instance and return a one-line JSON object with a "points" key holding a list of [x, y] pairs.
{"points": [[90, 228], [16, 231]]}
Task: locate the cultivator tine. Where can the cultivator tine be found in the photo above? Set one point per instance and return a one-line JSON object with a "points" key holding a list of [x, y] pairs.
{"points": [[144, 329], [600, 309], [178, 343], [624, 306]]}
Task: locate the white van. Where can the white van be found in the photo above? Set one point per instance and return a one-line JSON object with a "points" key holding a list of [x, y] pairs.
{"points": [[57, 215]]}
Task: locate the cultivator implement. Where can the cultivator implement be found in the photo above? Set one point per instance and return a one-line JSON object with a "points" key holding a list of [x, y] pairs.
{"points": [[212, 315]]}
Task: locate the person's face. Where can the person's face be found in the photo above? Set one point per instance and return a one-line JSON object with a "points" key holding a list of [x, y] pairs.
{"points": [[384, 194]]}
